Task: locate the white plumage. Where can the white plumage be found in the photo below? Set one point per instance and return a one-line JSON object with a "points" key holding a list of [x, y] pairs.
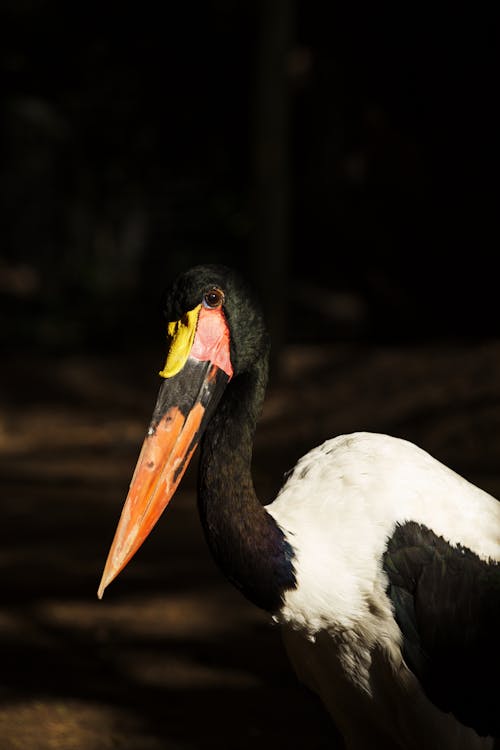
{"points": [[347, 495]]}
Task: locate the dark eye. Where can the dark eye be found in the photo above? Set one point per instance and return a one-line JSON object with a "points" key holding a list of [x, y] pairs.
{"points": [[213, 298]]}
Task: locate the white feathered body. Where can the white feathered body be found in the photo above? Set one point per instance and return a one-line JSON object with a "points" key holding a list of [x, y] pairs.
{"points": [[338, 509]]}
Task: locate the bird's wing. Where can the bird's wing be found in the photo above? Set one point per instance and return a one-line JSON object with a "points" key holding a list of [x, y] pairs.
{"points": [[447, 605]]}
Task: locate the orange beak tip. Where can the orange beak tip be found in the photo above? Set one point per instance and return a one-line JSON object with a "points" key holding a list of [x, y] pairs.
{"points": [[102, 586], [109, 574]]}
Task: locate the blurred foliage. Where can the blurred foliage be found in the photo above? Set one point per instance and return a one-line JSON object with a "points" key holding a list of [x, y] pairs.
{"points": [[128, 143]]}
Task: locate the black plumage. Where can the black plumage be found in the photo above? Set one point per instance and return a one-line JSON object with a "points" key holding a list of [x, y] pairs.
{"points": [[447, 604]]}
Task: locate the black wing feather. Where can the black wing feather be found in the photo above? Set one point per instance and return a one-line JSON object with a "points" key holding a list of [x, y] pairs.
{"points": [[447, 604]]}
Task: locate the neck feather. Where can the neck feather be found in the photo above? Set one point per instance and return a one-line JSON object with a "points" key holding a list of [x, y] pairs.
{"points": [[245, 540]]}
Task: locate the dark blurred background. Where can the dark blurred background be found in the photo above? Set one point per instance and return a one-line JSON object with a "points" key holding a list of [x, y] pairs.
{"points": [[343, 155]]}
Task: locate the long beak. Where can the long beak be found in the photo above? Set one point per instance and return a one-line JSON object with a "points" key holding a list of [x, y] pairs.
{"points": [[187, 399]]}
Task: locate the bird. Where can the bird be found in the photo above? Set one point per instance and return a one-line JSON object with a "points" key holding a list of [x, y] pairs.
{"points": [[379, 563]]}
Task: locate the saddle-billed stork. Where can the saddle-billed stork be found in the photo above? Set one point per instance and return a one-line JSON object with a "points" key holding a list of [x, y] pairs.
{"points": [[380, 563]]}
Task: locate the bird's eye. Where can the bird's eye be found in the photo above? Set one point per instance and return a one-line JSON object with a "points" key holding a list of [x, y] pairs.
{"points": [[213, 298]]}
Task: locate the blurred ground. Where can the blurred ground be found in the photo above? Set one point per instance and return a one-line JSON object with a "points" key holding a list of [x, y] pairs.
{"points": [[173, 658]]}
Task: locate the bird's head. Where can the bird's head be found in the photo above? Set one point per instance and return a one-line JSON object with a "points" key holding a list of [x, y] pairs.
{"points": [[215, 332], [218, 287]]}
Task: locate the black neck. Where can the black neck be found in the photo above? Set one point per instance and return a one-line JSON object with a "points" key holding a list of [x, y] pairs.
{"points": [[245, 540]]}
